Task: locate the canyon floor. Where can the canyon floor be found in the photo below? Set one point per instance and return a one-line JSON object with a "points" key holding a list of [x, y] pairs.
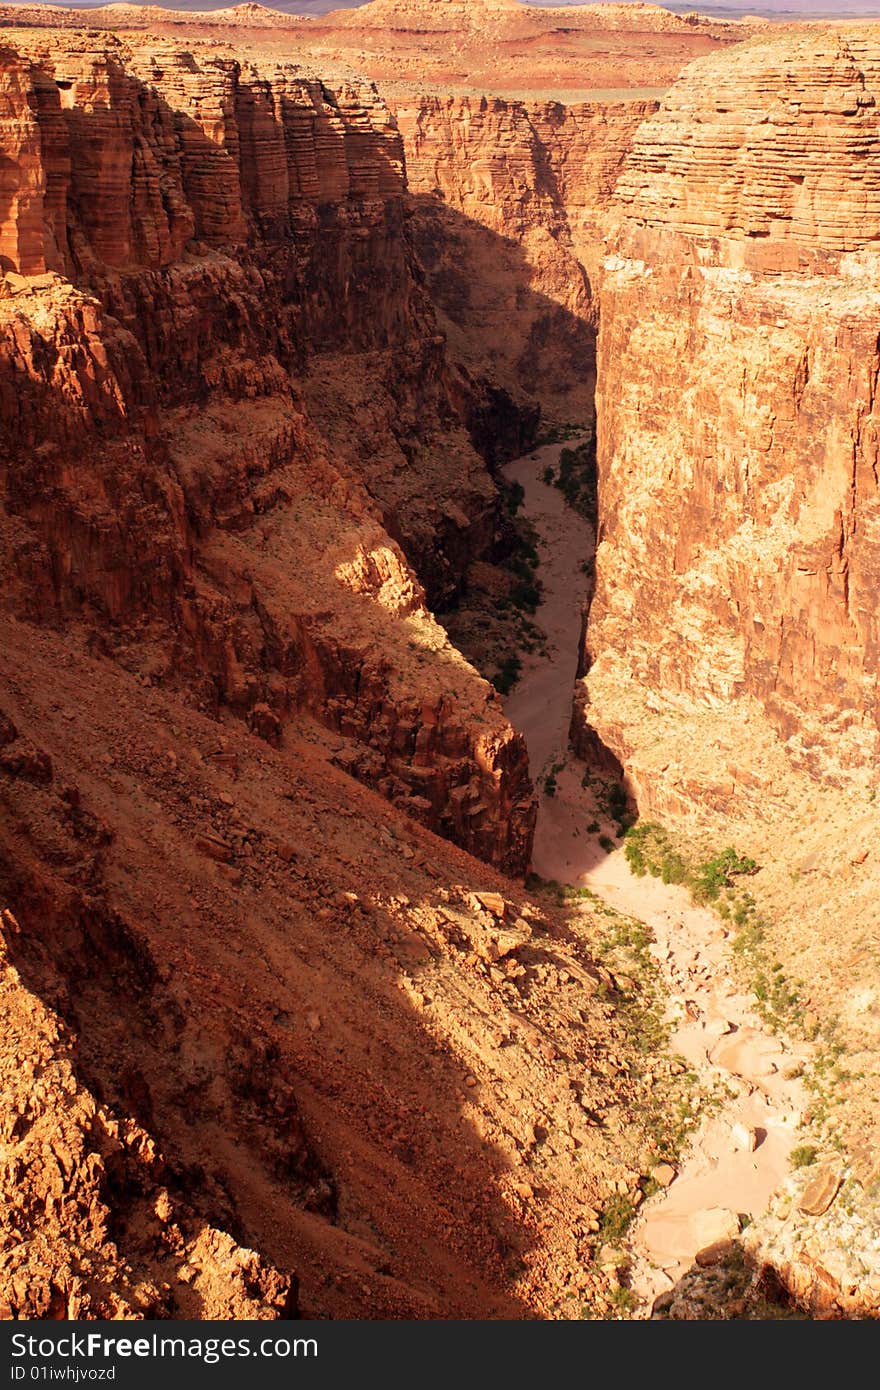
{"points": [[740, 1151]]}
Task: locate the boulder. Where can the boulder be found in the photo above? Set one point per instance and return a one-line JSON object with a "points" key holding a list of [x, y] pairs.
{"points": [[822, 1189], [713, 1225]]}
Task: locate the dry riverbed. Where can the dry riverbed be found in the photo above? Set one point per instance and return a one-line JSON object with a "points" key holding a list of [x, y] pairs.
{"points": [[739, 1153]]}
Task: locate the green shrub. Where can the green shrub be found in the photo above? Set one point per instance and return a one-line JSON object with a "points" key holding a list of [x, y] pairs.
{"points": [[617, 799], [716, 873], [578, 478], [506, 678], [557, 434], [673, 868], [803, 1156], [623, 1300], [526, 594], [648, 849], [635, 858], [513, 495], [614, 800], [615, 1218]]}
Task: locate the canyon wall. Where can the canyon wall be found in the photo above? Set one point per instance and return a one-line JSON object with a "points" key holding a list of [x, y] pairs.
{"points": [[277, 1042], [225, 400], [510, 220], [739, 549]]}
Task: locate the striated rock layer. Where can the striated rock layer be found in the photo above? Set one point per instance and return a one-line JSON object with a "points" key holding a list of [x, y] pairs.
{"points": [[217, 371], [739, 550], [495, 46], [509, 226], [777, 141]]}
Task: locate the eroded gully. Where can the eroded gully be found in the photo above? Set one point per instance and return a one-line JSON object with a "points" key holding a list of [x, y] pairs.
{"points": [[739, 1152]]}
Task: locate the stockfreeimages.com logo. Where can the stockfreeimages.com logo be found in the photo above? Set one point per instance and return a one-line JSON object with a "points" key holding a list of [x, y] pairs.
{"points": [[35, 1352]]}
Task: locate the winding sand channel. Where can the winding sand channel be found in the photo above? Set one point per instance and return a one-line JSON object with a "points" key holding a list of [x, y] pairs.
{"points": [[739, 1153]]}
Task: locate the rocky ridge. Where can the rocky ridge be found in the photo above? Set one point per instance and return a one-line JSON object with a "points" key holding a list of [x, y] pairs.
{"points": [[463, 15], [453, 46], [245, 193], [120, 15]]}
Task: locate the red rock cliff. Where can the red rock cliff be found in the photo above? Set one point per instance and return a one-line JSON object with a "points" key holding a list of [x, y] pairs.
{"points": [[269, 1009], [510, 224], [221, 386], [737, 414]]}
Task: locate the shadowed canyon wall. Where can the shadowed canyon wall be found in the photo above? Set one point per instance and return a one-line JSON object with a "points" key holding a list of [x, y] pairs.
{"points": [[538, 177]]}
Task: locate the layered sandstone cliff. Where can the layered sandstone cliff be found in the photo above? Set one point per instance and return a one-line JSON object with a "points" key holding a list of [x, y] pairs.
{"points": [[511, 216], [738, 553], [209, 291]]}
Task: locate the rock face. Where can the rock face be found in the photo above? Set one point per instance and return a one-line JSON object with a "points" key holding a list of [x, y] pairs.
{"points": [[277, 1042], [121, 158], [823, 1251], [509, 226], [737, 414], [209, 288], [89, 1227], [775, 144]]}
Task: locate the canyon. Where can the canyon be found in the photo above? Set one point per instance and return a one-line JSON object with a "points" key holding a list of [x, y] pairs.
{"points": [[321, 998]]}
